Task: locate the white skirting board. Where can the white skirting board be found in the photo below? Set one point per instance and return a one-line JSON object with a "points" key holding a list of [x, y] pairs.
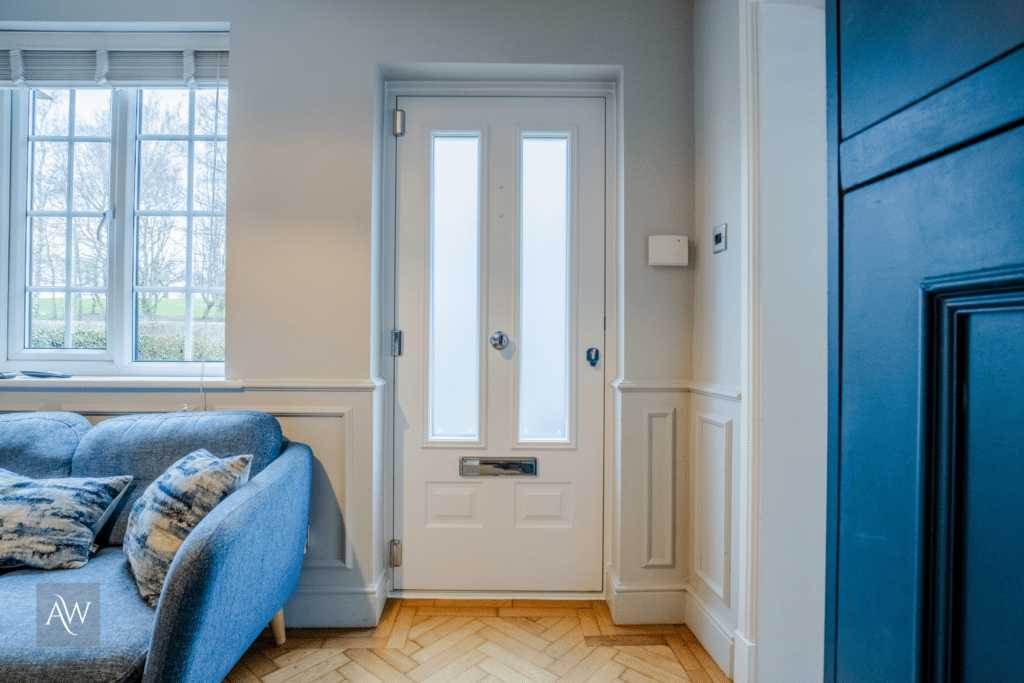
{"points": [[336, 606], [645, 604], [745, 661], [714, 634]]}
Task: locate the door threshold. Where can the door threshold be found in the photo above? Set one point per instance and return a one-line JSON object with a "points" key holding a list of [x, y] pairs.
{"points": [[493, 595]]}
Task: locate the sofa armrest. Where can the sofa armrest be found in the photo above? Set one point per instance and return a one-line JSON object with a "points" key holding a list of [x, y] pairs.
{"points": [[232, 574]]}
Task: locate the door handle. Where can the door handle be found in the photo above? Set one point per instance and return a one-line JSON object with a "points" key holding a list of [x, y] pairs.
{"points": [[499, 340], [592, 356]]}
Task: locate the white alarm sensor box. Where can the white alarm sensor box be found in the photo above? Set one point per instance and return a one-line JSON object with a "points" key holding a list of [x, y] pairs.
{"points": [[668, 250]]}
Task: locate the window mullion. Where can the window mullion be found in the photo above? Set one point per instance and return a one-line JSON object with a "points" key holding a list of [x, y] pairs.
{"points": [[69, 230], [121, 222], [189, 223]]}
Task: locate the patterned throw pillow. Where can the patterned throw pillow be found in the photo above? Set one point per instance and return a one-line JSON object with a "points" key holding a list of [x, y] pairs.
{"points": [[170, 508], [47, 523]]}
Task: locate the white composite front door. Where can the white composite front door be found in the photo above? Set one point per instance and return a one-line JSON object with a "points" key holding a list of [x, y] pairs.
{"points": [[500, 297]]}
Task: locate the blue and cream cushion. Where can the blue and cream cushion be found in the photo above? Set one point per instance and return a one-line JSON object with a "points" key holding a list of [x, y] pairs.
{"points": [[50, 523], [170, 508]]}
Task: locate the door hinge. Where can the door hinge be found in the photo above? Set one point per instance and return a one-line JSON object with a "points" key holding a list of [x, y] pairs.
{"points": [[396, 554], [399, 123], [397, 341]]}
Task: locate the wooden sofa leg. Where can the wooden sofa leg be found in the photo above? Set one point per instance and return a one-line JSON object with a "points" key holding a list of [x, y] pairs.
{"points": [[277, 627]]}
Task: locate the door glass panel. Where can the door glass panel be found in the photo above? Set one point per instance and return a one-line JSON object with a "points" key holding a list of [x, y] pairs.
{"points": [[454, 403], [544, 291]]}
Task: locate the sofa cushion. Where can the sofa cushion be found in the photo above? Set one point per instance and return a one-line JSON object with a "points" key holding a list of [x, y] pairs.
{"points": [[40, 444], [126, 627], [48, 523], [170, 508], [146, 445]]}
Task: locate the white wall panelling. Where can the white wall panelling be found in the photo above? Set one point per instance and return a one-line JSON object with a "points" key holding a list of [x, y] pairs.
{"points": [[711, 496], [645, 577], [328, 431], [660, 484]]}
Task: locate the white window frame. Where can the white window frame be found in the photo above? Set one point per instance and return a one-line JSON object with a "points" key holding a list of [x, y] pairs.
{"points": [[117, 358]]}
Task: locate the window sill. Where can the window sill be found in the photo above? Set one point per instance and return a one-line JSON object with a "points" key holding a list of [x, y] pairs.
{"points": [[119, 383]]}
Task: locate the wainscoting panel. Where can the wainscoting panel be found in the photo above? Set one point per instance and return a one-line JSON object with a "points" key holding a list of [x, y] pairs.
{"points": [[660, 484], [343, 577], [712, 610], [323, 429], [711, 496], [648, 570]]}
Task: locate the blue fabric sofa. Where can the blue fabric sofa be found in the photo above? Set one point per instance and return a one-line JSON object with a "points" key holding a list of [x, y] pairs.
{"points": [[229, 578]]}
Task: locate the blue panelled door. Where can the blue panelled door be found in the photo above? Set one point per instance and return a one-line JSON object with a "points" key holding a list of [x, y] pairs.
{"points": [[926, 488]]}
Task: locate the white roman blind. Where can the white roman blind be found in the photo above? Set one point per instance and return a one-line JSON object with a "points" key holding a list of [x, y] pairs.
{"points": [[105, 60]]}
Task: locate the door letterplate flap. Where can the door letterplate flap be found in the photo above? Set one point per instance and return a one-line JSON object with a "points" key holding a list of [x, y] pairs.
{"points": [[498, 467]]}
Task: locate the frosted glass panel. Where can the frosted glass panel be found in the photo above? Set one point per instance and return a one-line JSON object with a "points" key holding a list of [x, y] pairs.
{"points": [[544, 295], [454, 289]]}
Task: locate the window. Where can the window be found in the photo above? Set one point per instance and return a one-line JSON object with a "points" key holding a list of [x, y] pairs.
{"points": [[118, 221]]}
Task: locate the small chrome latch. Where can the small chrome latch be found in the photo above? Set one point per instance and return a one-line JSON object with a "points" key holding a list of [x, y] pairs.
{"points": [[396, 553], [499, 340], [593, 355], [397, 339]]}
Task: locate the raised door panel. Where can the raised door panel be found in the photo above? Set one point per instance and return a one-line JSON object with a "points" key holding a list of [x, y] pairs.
{"points": [[989, 550]]}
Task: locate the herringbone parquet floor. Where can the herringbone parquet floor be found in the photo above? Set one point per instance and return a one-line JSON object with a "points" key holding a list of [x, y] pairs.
{"points": [[493, 641]]}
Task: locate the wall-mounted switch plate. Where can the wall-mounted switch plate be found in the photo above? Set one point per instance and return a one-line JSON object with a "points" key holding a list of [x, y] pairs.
{"points": [[668, 250], [718, 238]]}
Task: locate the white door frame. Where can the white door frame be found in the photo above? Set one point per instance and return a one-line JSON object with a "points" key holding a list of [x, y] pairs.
{"points": [[608, 88]]}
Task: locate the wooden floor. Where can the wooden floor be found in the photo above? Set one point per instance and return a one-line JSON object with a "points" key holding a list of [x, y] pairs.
{"points": [[474, 641]]}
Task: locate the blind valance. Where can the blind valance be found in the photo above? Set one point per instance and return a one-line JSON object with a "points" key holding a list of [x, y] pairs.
{"points": [[22, 68]]}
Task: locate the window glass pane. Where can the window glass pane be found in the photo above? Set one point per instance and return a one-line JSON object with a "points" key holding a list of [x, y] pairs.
{"points": [[92, 113], [212, 112], [89, 252], [210, 187], [160, 251], [454, 289], [208, 327], [208, 241], [49, 176], [91, 180], [164, 112], [544, 293], [50, 111], [163, 175], [46, 320], [88, 320], [161, 326], [48, 243]]}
